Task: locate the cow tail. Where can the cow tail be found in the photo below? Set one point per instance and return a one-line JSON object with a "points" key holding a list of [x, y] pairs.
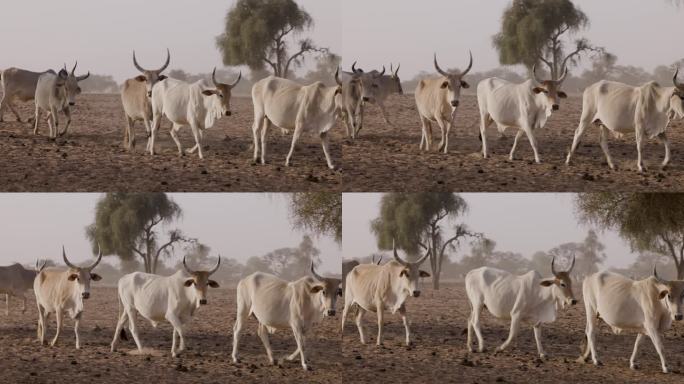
{"points": [[122, 334]]}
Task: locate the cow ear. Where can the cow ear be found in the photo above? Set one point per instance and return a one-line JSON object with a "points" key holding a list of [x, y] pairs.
{"points": [[562, 95], [537, 90], [662, 294], [208, 92], [162, 77], [338, 90], [547, 283], [464, 85], [213, 284], [316, 288], [95, 277], [404, 272], [424, 274], [189, 282], [444, 84], [72, 277], [140, 78]]}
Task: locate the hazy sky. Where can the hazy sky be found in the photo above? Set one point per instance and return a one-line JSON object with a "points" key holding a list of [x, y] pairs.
{"points": [[235, 225], [40, 34], [523, 223]]}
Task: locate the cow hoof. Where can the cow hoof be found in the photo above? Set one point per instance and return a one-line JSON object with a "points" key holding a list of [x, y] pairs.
{"points": [[543, 356], [581, 360], [634, 367], [666, 370], [598, 363]]}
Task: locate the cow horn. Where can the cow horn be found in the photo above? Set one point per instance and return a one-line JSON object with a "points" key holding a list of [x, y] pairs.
{"points": [[655, 274], [39, 266], [137, 66], [534, 74], [314, 274], [572, 265], [674, 80], [99, 257], [66, 261], [337, 76], [563, 76], [213, 78], [395, 73], [420, 261], [396, 255], [73, 70], [553, 266], [218, 263], [81, 78], [166, 64], [441, 72], [238, 80], [470, 65], [188, 270], [353, 67], [376, 262], [382, 73]]}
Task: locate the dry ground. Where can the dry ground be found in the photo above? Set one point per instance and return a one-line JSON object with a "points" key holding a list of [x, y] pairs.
{"points": [[207, 360], [439, 355], [92, 157], [387, 158]]}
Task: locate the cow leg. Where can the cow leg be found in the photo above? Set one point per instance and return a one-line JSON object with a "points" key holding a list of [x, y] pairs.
{"points": [[35, 123], [444, 128], [295, 137], [666, 143], [347, 304], [178, 328], [129, 134], [67, 113], [592, 323], [513, 332], [485, 121], [40, 331], [424, 143], [264, 137], [77, 323], [325, 143], [23, 303], [381, 315], [632, 360], [299, 338], [384, 113], [511, 156], [119, 326], [476, 326], [7, 304], [133, 328], [537, 339], [658, 344], [585, 121], [603, 139], [533, 142], [639, 142], [198, 139], [174, 135], [60, 320], [359, 324], [263, 335], [359, 119], [256, 128], [3, 104], [242, 315], [14, 111], [404, 318], [156, 122]]}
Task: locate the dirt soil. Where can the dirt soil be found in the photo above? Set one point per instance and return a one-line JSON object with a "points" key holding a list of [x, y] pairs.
{"points": [[439, 352], [92, 157], [388, 158], [206, 360]]}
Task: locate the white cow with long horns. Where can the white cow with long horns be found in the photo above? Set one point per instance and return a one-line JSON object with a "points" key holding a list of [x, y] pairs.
{"points": [[57, 93]]}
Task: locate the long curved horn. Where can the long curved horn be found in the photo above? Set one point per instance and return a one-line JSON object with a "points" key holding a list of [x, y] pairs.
{"points": [[137, 66], [572, 265], [354, 67], [396, 255], [553, 266], [655, 274], [81, 78], [218, 263], [534, 74], [213, 78], [563, 76], [337, 76], [168, 61], [74, 68], [382, 73], [188, 270], [99, 257], [395, 73], [438, 69], [314, 274], [420, 261], [238, 80], [40, 267], [470, 65], [674, 80], [66, 261]]}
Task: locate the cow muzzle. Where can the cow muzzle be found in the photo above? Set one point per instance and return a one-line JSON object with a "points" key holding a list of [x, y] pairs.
{"points": [[228, 113], [203, 301], [85, 295], [416, 293], [366, 99], [71, 103], [331, 312], [679, 317], [149, 94], [455, 103], [555, 107], [573, 302]]}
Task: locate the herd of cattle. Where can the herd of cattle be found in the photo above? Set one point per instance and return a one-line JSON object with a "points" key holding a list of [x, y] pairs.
{"points": [[613, 107], [647, 306]]}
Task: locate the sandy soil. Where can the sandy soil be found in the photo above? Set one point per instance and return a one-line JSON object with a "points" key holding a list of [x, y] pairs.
{"points": [[207, 360], [92, 157], [439, 355], [388, 158]]}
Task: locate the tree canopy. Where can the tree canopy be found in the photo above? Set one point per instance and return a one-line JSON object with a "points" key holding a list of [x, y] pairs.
{"points": [[318, 212]]}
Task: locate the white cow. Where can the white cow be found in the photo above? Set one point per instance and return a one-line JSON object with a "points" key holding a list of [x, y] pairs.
{"points": [[437, 100], [292, 106], [15, 280], [525, 107], [348, 102], [376, 288], [646, 306], [61, 291], [279, 304], [647, 110], [136, 99], [18, 84], [157, 298], [57, 93], [198, 105], [525, 298]]}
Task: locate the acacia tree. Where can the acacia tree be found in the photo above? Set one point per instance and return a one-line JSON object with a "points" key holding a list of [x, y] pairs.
{"points": [[534, 31], [418, 222], [259, 33], [128, 225], [648, 221], [318, 212]]}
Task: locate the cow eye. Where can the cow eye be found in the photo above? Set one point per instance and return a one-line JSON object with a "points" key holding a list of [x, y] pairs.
{"points": [[562, 285]]}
